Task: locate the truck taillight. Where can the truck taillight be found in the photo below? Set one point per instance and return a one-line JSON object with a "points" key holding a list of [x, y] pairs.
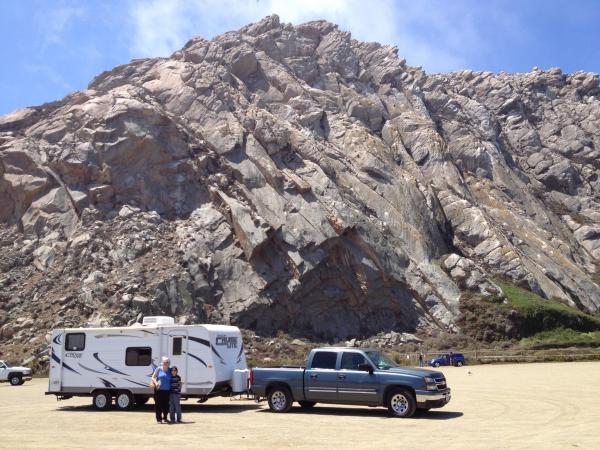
{"points": [[251, 377]]}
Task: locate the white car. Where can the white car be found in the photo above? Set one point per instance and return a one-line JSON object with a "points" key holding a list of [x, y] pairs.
{"points": [[14, 375]]}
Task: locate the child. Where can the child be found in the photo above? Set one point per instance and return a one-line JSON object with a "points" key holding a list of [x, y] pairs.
{"points": [[175, 400]]}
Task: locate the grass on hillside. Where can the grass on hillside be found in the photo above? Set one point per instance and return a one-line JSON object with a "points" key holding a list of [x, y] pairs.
{"points": [[562, 338], [540, 315]]}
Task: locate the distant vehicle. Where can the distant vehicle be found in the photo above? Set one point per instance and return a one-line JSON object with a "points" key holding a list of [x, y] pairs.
{"points": [[350, 376], [448, 359], [15, 375], [118, 362]]}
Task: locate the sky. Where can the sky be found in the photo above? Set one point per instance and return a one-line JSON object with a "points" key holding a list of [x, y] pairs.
{"points": [[50, 48]]}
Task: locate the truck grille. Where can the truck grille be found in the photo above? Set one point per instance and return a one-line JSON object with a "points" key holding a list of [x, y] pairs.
{"points": [[441, 383]]}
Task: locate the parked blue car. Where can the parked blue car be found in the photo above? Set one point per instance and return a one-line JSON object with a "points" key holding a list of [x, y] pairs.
{"points": [[448, 359]]}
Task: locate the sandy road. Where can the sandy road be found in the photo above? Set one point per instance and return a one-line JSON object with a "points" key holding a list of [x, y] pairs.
{"points": [[553, 405]]}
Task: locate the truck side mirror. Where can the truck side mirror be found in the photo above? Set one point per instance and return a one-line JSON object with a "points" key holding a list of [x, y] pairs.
{"points": [[365, 368]]}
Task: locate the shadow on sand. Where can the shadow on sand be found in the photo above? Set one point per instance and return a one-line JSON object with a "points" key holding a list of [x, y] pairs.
{"points": [[186, 408], [369, 412]]}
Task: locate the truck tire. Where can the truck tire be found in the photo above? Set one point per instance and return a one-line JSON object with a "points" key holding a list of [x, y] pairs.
{"points": [[306, 405], [280, 399], [459, 364], [141, 399], [124, 400], [102, 400], [436, 364], [15, 379], [401, 403]]}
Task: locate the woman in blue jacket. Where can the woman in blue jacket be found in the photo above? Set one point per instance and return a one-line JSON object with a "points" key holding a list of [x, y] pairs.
{"points": [[161, 380]]}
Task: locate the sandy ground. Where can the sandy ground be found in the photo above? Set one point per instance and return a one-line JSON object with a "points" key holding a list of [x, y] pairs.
{"points": [[552, 405]]}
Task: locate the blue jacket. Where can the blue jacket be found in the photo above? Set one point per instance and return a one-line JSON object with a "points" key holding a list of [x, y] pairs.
{"points": [[164, 378]]}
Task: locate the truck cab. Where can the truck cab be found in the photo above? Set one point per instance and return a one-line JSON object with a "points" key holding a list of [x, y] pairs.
{"points": [[15, 375]]}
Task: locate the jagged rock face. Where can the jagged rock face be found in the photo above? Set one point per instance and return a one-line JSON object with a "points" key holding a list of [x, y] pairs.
{"points": [[292, 178]]}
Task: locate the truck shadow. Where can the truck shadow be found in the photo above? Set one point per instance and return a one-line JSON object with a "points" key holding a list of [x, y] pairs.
{"points": [[370, 412]]}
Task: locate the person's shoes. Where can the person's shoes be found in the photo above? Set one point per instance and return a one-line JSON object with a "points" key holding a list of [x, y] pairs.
{"points": [[159, 421]]}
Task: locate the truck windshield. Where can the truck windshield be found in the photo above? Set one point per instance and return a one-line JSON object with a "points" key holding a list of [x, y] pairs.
{"points": [[380, 360]]}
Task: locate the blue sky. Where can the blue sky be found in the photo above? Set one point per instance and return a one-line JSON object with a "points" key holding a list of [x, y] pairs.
{"points": [[50, 48]]}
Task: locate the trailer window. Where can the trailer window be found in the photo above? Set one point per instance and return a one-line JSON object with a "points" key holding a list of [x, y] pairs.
{"points": [[75, 342], [177, 343], [324, 360], [138, 356]]}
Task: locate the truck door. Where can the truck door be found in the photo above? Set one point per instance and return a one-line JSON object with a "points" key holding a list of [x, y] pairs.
{"points": [[321, 377], [3, 371], [356, 386], [177, 350]]}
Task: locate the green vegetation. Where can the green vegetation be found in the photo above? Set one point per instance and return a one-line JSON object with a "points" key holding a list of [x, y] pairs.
{"points": [[561, 338], [539, 315]]}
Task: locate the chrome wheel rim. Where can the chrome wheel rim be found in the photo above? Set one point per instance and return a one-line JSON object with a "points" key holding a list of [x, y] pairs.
{"points": [[278, 400], [399, 404], [123, 401], [101, 401]]}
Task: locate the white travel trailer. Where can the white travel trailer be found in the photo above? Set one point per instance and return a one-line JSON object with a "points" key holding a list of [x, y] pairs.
{"points": [[118, 362]]}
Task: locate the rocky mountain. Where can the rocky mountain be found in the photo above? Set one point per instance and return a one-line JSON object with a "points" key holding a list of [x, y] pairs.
{"points": [[292, 178]]}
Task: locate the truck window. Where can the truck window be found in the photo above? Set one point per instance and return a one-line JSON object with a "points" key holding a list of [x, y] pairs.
{"points": [[75, 342], [177, 343], [351, 360], [138, 356], [324, 360]]}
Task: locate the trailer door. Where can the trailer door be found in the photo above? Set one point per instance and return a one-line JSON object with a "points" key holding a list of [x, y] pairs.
{"points": [[177, 345]]}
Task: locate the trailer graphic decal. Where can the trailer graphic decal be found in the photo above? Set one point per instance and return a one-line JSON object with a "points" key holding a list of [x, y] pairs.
{"points": [[135, 382], [101, 336], [90, 370], [221, 360], [107, 383], [56, 339], [239, 356], [195, 357], [229, 341], [65, 365], [107, 367], [199, 341]]}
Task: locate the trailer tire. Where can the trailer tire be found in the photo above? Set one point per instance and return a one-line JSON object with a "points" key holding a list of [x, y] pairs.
{"points": [[306, 405], [124, 400], [102, 400], [280, 399], [15, 379], [401, 403], [141, 399]]}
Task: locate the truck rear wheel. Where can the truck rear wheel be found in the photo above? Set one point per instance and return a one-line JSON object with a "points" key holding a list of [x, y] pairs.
{"points": [[459, 363], [280, 399], [306, 405], [102, 400], [15, 379], [401, 403]]}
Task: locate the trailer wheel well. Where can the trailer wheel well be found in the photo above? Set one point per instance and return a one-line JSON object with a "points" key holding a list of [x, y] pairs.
{"points": [[278, 384], [388, 389]]}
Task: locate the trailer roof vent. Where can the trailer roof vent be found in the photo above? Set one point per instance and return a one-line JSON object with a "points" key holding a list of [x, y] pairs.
{"points": [[158, 320]]}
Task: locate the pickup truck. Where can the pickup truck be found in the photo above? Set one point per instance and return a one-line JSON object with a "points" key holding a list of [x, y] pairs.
{"points": [[351, 376], [15, 375]]}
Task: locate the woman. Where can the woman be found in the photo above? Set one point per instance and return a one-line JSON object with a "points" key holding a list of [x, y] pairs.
{"points": [[161, 381]]}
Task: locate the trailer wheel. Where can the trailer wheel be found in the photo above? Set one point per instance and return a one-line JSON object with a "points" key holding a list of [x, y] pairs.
{"points": [[124, 400], [280, 399], [15, 379], [401, 403], [141, 399], [306, 405], [102, 400]]}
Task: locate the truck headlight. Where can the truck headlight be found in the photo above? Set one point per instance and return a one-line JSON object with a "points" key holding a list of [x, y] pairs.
{"points": [[430, 384]]}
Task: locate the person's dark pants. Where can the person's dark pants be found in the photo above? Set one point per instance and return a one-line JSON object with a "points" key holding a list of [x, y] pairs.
{"points": [[161, 402]]}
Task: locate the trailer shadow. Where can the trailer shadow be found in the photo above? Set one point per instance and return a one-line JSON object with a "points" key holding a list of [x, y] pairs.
{"points": [[370, 412], [186, 408]]}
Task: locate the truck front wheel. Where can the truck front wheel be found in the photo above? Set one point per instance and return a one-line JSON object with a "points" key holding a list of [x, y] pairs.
{"points": [[401, 403], [280, 399], [15, 379]]}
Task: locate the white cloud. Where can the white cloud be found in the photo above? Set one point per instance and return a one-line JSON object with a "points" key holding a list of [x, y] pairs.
{"points": [[438, 37], [52, 22]]}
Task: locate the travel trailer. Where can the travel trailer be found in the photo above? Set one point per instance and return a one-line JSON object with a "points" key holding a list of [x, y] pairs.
{"points": [[118, 362]]}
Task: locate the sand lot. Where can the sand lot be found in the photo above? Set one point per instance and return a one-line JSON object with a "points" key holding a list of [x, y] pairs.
{"points": [[552, 405]]}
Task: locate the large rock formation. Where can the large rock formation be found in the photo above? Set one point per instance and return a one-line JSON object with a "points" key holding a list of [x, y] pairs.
{"points": [[293, 178]]}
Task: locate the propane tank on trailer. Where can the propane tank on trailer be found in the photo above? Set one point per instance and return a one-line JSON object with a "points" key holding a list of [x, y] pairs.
{"points": [[240, 380]]}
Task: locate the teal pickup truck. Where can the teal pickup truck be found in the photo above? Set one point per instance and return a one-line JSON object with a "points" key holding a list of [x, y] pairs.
{"points": [[350, 376]]}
